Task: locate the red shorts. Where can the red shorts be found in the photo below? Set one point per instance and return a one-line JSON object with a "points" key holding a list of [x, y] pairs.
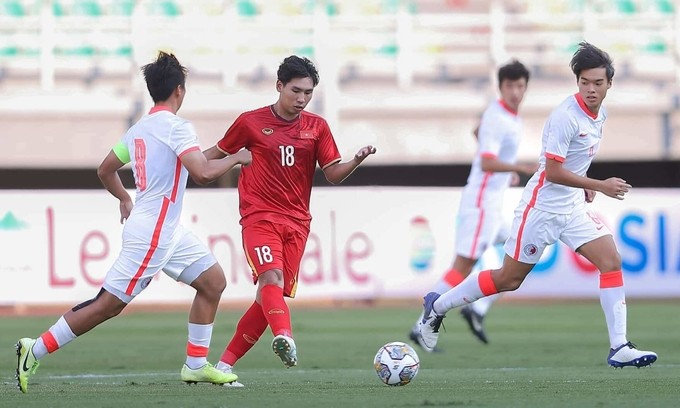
{"points": [[275, 246]]}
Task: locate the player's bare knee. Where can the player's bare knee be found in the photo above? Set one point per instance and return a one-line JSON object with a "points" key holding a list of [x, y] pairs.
{"points": [[610, 264], [506, 282], [214, 287]]}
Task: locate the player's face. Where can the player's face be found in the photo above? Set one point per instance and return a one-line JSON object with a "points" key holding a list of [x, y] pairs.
{"points": [[294, 96], [512, 92], [592, 86]]}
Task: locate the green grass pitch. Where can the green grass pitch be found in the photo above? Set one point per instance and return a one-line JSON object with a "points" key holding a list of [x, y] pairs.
{"points": [[540, 355]]}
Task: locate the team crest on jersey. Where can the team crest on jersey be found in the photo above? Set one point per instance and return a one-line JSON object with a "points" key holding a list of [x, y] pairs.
{"points": [[530, 249], [145, 282], [267, 131]]}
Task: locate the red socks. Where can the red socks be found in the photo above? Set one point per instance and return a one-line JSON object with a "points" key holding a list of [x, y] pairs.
{"points": [[276, 310], [273, 312], [248, 331]]}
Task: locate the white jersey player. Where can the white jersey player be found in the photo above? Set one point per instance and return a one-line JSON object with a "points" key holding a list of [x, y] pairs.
{"points": [[553, 208], [163, 150], [480, 221]]}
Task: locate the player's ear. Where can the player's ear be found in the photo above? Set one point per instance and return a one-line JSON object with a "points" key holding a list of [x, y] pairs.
{"points": [[279, 86]]}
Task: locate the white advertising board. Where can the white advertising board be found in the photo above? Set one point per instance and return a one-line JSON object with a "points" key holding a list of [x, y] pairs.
{"points": [[365, 243]]}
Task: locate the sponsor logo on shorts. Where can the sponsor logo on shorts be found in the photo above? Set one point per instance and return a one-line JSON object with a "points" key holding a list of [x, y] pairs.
{"points": [[145, 283], [267, 131], [583, 134], [530, 249]]}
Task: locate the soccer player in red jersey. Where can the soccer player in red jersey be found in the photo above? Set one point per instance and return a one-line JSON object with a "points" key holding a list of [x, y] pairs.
{"points": [[286, 143]]}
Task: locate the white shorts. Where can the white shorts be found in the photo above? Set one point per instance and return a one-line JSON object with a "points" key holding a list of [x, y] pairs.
{"points": [[183, 259], [533, 230], [478, 229]]}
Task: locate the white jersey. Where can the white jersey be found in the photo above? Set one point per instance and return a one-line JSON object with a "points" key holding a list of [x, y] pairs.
{"points": [[571, 135], [156, 143], [500, 132]]}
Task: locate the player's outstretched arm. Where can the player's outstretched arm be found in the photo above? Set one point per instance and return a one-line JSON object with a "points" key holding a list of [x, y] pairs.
{"points": [[337, 172], [204, 171], [108, 174], [612, 187], [492, 164], [213, 153]]}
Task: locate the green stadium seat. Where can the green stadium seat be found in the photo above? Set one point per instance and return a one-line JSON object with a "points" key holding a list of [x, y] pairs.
{"points": [[86, 8], [388, 49], [246, 8], [78, 51], [13, 8], [57, 9], [166, 8], [123, 7], [329, 6], [665, 6], [306, 51], [9, 51], [626, 6], [656, 47]]}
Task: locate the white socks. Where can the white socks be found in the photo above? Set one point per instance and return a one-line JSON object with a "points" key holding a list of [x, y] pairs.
{"points": [[59, 335], [198, 344], [613, 301]]}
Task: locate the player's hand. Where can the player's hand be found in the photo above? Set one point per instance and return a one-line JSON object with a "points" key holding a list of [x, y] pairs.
{"points": [[244, 157], [125, 210], [615, 187], [590, 195], [514, 178], [364, 152]]}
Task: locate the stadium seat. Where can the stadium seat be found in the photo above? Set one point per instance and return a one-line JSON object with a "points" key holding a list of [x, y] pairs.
{"points": [[166, 8], [246, 8], [57, 9], [12, 8], [626, 6], [84, 50], [665, 6], [122, 7], [86, 8], [9, 50]]}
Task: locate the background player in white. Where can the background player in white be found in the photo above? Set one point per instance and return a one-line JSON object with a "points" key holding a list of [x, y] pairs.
{"points": [[162, 149], [480, 221], [553, 207]]}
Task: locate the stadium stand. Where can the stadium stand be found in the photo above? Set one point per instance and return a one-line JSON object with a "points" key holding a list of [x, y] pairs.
{"points": [[410, 76]]}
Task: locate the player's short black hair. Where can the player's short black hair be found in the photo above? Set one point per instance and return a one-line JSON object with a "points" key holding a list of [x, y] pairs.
{"points": [[163, 76], [588, 56], [297, 67], [512, 71]]}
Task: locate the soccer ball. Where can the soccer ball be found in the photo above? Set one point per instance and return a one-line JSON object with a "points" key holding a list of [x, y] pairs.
{"points": [[396, 363]]}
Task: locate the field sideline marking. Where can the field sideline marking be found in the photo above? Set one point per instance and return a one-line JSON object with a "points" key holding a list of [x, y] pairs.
{"points": [[173, 374]]}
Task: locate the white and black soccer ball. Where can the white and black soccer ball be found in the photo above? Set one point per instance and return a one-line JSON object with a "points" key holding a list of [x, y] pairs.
{"points": [[396, 363]]}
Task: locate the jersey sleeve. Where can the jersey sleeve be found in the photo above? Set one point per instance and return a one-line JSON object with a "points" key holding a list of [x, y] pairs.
{"points": [[183, 138], [234, 138], [561, 130], [490, 137], [326, 150]]}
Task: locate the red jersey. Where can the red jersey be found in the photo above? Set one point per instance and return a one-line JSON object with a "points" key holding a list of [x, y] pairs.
{"points": [[277, 185]]}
